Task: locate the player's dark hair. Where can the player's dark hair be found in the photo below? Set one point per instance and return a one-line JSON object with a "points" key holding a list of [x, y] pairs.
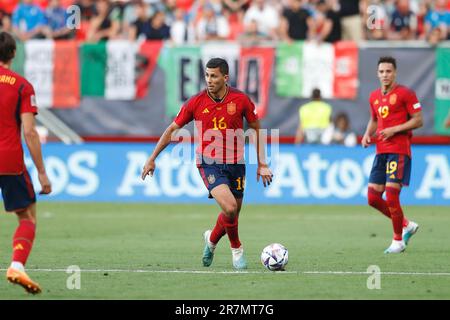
{"points": [[7, 47], [220, 63], [390, 60], [316, 94]]}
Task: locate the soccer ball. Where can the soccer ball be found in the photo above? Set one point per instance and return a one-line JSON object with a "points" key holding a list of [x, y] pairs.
{"points": [[274, 257]]}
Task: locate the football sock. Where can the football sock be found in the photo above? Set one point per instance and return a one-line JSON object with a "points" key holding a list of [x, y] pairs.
{"points": [[218, 231], [393, 202], [17, 265], [231, 227], [23, 241], [376, 200]]}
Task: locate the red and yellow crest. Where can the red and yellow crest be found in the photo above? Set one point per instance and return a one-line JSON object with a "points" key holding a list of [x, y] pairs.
{"points": [[393, 99], [231, 108]]}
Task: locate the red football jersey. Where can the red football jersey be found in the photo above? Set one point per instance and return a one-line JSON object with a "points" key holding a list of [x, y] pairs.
{"points": [[219, 124], [17, 97], [390, 110]]}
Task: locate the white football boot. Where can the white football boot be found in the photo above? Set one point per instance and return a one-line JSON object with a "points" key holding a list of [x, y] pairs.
{"points": [[239, 261], [409, 231], [397, 246]]}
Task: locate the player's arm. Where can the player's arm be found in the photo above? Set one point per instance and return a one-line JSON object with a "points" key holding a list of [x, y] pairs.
{"points": [[263, 170], [416, 121], [370, 130], [163, 142], [34, 146]]}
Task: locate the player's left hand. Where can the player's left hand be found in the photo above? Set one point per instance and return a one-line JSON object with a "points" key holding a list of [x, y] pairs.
{"points": [[387, 133], [148, 169], [264, 172]]}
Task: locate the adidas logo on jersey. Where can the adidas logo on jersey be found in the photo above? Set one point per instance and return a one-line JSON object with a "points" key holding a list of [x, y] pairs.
{"points": [[206, 110]]}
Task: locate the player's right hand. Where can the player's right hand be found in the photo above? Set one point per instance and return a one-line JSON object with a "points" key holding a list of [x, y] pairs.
{"points": [[148, 169], [365, 142], [46, 186]]}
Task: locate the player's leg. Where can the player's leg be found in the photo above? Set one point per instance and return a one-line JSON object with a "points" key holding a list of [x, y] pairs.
{"points": [[19, 197], [218, 231], [212, 177], [398, 175], [230, 206], [229, 216], [376, 187]]}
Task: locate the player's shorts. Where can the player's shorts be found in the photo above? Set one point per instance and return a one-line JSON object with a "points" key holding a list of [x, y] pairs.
{"points": [[233, 175], [17, 191], [391, 167]]}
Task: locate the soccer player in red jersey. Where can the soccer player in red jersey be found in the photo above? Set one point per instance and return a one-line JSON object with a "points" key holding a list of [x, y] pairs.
{"points": [[17, 111], [219, 111], [395, 112]]}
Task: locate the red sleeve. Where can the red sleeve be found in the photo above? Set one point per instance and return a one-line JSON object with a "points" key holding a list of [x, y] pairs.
{"points": [[250, 113], [412, 103], [186, 113], [28, 99]]}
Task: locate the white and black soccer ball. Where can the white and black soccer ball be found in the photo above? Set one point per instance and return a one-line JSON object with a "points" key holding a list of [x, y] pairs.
{"points": [[274, 257]]}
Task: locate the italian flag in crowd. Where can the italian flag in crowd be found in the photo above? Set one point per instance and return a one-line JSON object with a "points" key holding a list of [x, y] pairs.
{"points": [[303, 66], [53, 70], [250, 71], [109, 68], [62, 71], [442, 90]]}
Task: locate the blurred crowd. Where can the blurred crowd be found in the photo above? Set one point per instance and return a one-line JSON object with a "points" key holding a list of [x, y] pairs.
{"points": [[247, 21]]}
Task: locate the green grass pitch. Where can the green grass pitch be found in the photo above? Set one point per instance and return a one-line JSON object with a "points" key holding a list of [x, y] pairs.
{"points": [[153, 251]]}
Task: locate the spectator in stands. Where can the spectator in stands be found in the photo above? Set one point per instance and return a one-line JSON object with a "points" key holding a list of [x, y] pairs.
{"points": [[57, 21], [237, 6], [5, 22], [352, 23], [251, 36], [88, 12], [434, 37], [180, 31], [266, 17], [438, 17], [339, 132], [106, 24], [403, 22], [153, 28], [422, 10], [212, 26], [327, 22], [87, 9], [28, 21], [314, 118], [297, 22]]}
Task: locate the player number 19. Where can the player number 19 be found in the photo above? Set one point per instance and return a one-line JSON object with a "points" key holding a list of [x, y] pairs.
{"points": [[383, 111], [391, 167]]}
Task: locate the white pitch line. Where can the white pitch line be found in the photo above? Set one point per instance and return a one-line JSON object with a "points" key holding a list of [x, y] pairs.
{"points": [[438, 274]]}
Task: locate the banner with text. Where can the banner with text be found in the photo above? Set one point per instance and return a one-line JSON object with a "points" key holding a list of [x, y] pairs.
{"points": [[306, 175], [442, 110]]}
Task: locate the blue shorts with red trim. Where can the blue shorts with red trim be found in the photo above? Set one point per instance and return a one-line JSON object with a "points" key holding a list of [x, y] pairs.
{"points": [[233, 175], [17, 191], [391, 167]]}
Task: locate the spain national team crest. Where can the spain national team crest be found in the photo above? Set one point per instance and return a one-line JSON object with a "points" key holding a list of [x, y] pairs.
{"points": [[393, 99], [231, 108], [211, 179]]}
